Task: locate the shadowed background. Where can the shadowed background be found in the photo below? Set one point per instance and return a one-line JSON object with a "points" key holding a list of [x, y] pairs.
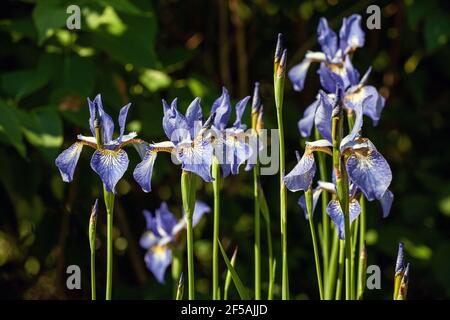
{"points": [[142, 51]]}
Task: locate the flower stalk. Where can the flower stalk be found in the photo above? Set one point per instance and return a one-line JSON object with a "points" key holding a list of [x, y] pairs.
{"points": [[215, 257], [109, 203], [92, 238]]}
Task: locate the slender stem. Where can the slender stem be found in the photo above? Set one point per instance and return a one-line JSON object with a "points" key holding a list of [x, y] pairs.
{"points": [[325, 218], [363, 258], [340, 279], [215, 257], [188, 191], [309, 205], [354, 231], [257, 244], [92, 242], [332, 271], [109, 203], [93, 289]]}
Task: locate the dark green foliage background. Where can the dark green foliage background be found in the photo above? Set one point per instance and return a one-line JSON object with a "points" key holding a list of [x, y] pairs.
{"points": [[143, 51]]}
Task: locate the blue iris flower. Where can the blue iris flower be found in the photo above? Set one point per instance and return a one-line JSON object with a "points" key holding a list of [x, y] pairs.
{"points": [[109, 160], [334, 49], [163, 232]]}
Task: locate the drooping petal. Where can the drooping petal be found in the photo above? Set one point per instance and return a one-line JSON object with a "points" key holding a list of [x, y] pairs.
{"points": [[357, 125], [143, 171], [336, 214], [148, 239], [122, 120], [240, 108], [197, 158], [371, 101], [323, 116], [67, 161], [298, 73], [222, 109], [327, 38], [157, 259], [110, 165], [165, 220], [306, 123], [106, 122], [194, 116], [302, 202], [351, 35], [386, 202], [368, 169], [301, 177], [328, 79]]}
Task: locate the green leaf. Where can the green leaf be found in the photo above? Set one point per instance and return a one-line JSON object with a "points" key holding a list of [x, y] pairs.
{"points": [[237, 281], [436, 30], [10, 128], [79, 75], [263, 205], [48, 15], [122, 5], [22, 83], [155, 80]]}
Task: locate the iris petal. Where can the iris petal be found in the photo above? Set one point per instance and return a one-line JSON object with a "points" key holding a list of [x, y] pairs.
{"points": [[306, 123], [194, 116], [67, 161], [165, 220], [106, 122], [240, 108], [150, 221], [327, 38], [323, 116], [351, 35], [298, 73], [302, 202], [222, 109], [336, 214], [368, 169], [301, 177], [197, 158], [157, 259], [148, 239], [110, 165], [199, 210], [328, 79], [143, 171], [123, 119], [386, 202]]}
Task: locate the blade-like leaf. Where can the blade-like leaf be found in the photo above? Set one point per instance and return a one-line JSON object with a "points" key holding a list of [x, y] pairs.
{"points": [[237, 281]]}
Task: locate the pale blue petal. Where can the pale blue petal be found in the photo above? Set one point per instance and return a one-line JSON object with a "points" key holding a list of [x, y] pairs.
{"points": [[301, 177], [351, 35], [143, 171], [67, 161], [222, 109], [110, 165], [336, 214], [298, 73], [323, 116], [157, 259], [327, 38], [123, 119], [306, 123], [386, 202]]}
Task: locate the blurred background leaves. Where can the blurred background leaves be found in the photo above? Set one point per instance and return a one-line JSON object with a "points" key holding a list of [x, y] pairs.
{"points": [[141, 51]]}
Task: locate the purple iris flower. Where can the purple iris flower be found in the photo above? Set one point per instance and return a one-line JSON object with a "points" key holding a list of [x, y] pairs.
{"points": [[334, 49], [109, 160], [163, 231]]}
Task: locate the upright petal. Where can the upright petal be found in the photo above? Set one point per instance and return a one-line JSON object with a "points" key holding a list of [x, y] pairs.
{"points": [[165, 220], [302, 202], [328, 79], [240, 108], [123, 119], [106, 122], [357, 125], [67, 161], [327, 38], [143, 171], [150, 221], [351, 35], [386, 202], [306, 123], [368, 169], [110, 165], [301, 177], [336, 214], [351, 75], [175, 124], [222, 108], [298, 73], [199, 210], [194, 116], [323, 116], [157, 259]]}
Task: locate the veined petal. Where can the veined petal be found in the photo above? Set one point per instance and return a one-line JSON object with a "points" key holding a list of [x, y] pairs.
{"points": [[352, 76], [222, 109], [328, 79], [371, 101], [386, 202], [122, 120], [323, 116], [298, 73], [240, 108], [351, 35], [194, 116], [302, 202], [110, 165], [327, 38], [67, 161], [174, 123], [157, 259], [106, 122], [301, 177], [197, 158], [349, 139], [143, 171], [306, 123], [336, 214], [165, 220], [368, 169]]}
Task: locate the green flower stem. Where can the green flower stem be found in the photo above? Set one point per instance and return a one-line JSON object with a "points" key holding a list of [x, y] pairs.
{"points": [[332, 271], [309, 205], [257, 244], [264, 209], [188, 190], [215, 257], [109, 203], [362, 249], [340, 278], [325, 219], [177, 266], [354, 232], [92, 238], [279, 92]]}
